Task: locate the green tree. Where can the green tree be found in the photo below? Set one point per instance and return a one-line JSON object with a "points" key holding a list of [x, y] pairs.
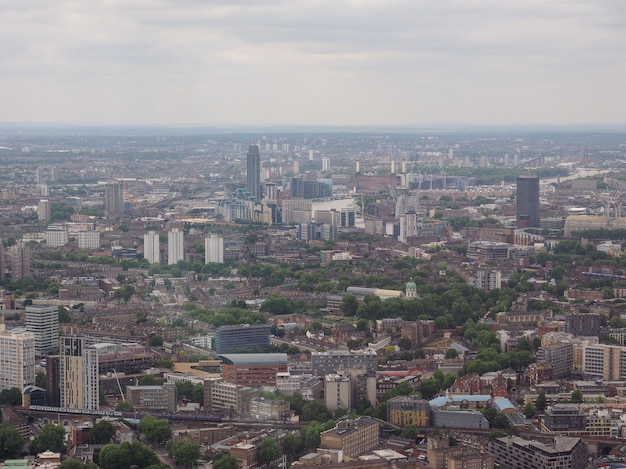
{"points": [[349, 305], [124, 406], [277, 305], [226, 462], [155, 430], [197, 394], [541, 402], [292, 444], [409, 431], [269, 450], [125, 455], [530, 410], [148, 380], [50, 438], [41, 380], [429, 388], [156, 341], [315, 410], [11, 396], [183, 452], [102, 432], [501, 421], [405, 343], [452, 353], [576, 397], [11, 443]]}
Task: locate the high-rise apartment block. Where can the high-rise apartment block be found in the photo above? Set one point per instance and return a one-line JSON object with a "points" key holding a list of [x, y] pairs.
{"points": [[88, 239], [20, 255], [44, 210], [527, 201], [43, 322], [560, 356], [214, 249], [338, 392], [57, 235], [151, 247], [175, 246], [113, 198], [17, 358], [253, 172], [79, 374]]}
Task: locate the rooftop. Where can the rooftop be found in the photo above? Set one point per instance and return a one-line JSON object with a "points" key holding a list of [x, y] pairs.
{"points": [[238, 359]]}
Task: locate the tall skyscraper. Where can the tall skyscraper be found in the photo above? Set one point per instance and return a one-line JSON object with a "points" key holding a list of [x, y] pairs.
{"points": [[214, 249], [527, 201], [175, 246], [43, 321], [151, 248], [20, 261], [253, 173], [44, 210], [79, 374], [17, 358], [113, 198]]}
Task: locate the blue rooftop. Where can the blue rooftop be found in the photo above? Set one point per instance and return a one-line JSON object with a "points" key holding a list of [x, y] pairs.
{"points": [[502, 403]]}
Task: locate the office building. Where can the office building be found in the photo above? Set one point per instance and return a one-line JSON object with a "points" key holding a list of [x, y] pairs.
{"points": [[253, 369], [564, 418], [325, 164], [325, 363], [296, 211], [113, 198], [17, 358], [560, 357], [582, 324], [353, 437], [248, 337], [44, 210], [348, 217], [527, 201], [88, 239], [20, 255], [175, 246], [78, 374], [151, 247], [43, 322], [563, 452], [602, 361], [214, 249], [233, 399], [154, 398], [408, 410], [253, 172]]}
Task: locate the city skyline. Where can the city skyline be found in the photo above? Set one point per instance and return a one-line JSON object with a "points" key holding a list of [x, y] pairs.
{"points": [[358, 63]]}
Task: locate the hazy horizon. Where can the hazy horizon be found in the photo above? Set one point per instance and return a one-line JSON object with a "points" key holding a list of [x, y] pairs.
{"points": [[313, 63]]}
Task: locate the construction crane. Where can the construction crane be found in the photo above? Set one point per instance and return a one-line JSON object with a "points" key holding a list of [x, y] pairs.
{"points": [[119, 385]]}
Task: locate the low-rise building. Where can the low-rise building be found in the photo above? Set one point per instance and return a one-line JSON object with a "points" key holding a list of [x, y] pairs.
{"points": [[159, 398], [408, 410], [353, 437], [563, 452]]}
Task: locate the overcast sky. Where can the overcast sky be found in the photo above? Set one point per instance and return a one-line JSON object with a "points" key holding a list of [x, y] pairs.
{"points": [[313, 62]]}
